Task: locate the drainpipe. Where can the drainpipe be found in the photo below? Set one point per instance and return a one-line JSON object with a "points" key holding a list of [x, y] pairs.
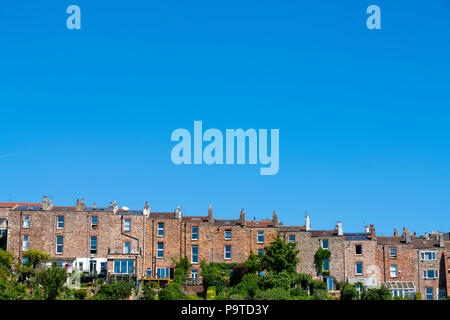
{"points": [[418, 270], [384, 263], [143, 244], [20, 236], [153, 248]]}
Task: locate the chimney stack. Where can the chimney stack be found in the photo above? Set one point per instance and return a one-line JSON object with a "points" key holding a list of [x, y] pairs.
{"points": [[178, 212], [367, 229], [210, 214], [395, 233], [307, 222], [45, 203], [275, 220], [339, 229], [78, 205], [242, 218], [372, 231], [146, 209], [441, 240]]}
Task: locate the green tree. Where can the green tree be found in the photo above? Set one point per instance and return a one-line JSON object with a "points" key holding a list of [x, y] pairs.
{"points": [[280, 256], [216, 275], [35, 257], [247, 287], [51, 281], [349, 292], [149, 290], [272, 279], [10, 289], [382, 293], [272, 294], [6, 259], [253, 263], [118, 290]]}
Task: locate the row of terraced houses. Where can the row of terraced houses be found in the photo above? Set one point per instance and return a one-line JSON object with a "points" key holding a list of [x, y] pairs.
{"points": [[142, 245]]}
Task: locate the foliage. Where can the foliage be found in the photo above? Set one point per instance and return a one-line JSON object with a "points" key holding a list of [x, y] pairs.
{"points": [[272, 294], [51, 281], [280, 256], [172, 292], [216, 275], [316, 285], [10, 289], [6, 259], [302, 279], [382, 293], [149, 290], [211, 293], [270, 280], [238, 272], [118, 290], [298, 292], [35, 257], [320, 256], [253, 263], [418, 296], [349, 292], [247, 287], [80, 294], [181, 269]]}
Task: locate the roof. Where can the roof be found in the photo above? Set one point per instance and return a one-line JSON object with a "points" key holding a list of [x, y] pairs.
{"points": [[292, 228], [395, 285], [195, 218], [230, 222], [321, 233], [390, 240], [164, 215], [13, 204], [422, 243], [261, 224]]}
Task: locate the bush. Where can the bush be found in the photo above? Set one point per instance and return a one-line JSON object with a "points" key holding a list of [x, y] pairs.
{"points": [[172, 292], [382, 293], [315, 285], [298, 292], [149, 290], [80, 294], [216, 275], [236, 296], [116, 291], [6, 259], [35, 257], [239, 271], [349, 292], [247, 287], [52, 281], [271, 280], [211, 293], [280, 256], [272, 294]]}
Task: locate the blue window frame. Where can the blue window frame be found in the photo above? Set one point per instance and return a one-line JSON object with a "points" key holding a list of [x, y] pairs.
{"points": [[126, 247], [59, 244], [194, 254], [160, 251], [162, 273], [326, 264], [325, 243], [359, 268], [330, 284], [227, 234], [292, 238], [148, 272], [194, 233], [429, 293], [194, 274], [260, 236], [160, 229], [227, 252]]}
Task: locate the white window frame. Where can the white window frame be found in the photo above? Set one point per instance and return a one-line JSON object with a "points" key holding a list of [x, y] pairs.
{"points": [[194, 233], [127, 225], [392, 249], [424, 255], [227, 251], [192, 254], [393, 272], [58, 222], [435, 272], [61, 245], [160, 231], [159, 250], [227, 231], [27, 242], [27, 221], [126, 249], [167, 272], [260, 234]]}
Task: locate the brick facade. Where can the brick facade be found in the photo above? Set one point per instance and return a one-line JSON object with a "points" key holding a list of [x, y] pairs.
{"points": [[112, 239]]}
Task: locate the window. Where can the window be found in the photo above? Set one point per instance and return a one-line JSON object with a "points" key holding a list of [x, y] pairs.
{"points": [[93, 244], [393, 270], [428, 255], [26, 221], [260, 236], [148, 272], [94, 222], [430, 274], [127, 225], [227, 252], [194, 233], [325, 243], [160, 250], [126, 247], [194, 254], [429, 293], [260, 251], [330, 284], [227, 234], [25, 242], [93, 266], [326, 264], [358, 249], [103, 267], [441, 294], [25, 260], [59, 244], [60, 222], [160, 229], [80, 266], [292, 238], [359, 268], [123, 266], [162, 273], [194, 274], [393, 253]]}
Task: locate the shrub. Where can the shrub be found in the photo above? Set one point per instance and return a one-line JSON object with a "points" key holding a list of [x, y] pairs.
{"points": [[149, 290], [382, 293], [115, 291], [271, 280], [6, 259], [52, 281], [247, 287], [272, 294], [80, 294], [349, 292]]}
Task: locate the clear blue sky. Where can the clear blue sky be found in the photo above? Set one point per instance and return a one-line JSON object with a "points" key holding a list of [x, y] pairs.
{"points": [[363, 114]]}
